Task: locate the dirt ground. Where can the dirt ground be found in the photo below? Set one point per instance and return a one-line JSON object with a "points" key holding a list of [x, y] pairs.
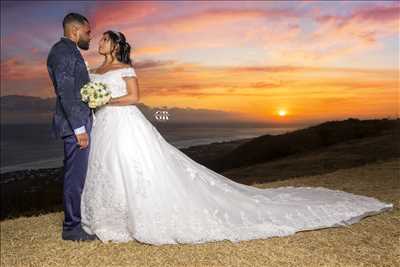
{"points": [[374, 241]]}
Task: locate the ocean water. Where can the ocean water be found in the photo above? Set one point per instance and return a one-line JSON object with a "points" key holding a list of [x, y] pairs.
{"points": [[30, 146]]}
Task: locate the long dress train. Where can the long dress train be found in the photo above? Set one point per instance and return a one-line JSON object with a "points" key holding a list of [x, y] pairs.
{"points": [[140, 187]]}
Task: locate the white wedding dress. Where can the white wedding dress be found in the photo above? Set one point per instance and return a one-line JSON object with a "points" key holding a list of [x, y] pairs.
{"points": [[140, 187]]}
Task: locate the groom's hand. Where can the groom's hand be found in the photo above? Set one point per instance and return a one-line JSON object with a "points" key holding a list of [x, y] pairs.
{"points": [[83, 140]]}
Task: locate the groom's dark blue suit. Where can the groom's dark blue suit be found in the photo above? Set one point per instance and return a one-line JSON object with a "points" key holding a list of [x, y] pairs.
{"points": [[68, 72]]}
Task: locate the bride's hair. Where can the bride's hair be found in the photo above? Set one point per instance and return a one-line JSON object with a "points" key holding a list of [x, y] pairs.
{"points": [[123, 53]]}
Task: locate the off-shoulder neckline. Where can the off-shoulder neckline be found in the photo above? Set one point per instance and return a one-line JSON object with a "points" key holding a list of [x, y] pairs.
{"points": [[111, 71]]}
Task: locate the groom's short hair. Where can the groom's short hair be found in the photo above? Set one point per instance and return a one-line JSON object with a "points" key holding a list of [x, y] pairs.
{"points": [[74, 17]]}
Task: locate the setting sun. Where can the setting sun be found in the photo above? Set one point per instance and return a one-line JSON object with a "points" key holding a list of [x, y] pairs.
{"points": [[282, 112]]}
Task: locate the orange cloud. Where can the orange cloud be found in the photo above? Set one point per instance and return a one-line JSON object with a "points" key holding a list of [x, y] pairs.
{"points": [[16, 69], [305, 92]]}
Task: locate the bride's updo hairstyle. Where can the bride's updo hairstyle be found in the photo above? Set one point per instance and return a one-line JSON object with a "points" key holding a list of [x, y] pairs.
{"points": [[123, 53]]}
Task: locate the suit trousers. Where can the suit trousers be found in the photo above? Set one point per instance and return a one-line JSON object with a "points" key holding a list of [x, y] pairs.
{"points": [[75, 169]]}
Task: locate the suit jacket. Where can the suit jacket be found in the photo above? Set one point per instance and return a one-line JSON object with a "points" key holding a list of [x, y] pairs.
{"points": [[68, 72]]}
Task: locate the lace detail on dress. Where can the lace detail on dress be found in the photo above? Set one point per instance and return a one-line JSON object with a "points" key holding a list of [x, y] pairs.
{"points": [[101, 207]]}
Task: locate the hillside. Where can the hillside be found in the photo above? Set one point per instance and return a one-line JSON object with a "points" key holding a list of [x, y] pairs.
{"points": [[36, 241], [347, 154], [268, 147]]}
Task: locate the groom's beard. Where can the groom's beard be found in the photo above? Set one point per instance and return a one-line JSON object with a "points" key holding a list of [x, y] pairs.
{"points": [[83, 44]]}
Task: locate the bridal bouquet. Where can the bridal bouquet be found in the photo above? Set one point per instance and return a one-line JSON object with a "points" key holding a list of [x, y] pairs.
{"points": [[95, 94]]}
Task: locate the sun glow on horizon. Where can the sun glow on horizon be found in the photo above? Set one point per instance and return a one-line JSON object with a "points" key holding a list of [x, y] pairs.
{"points": [[282, 112]]}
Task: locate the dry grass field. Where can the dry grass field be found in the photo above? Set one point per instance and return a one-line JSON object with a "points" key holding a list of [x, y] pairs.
{"points": [[374, 241]]}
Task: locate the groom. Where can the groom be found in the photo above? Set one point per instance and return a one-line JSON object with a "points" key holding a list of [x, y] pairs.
{"points": [[72, 120]]}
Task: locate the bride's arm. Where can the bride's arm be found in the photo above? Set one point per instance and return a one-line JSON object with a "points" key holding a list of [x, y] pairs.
{"points": [[131, 98]]}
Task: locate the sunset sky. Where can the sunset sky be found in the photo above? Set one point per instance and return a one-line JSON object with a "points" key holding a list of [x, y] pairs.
{"points": [[268, 60]]}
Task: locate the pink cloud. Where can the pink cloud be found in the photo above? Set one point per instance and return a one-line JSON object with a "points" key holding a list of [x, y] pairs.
{"points": [[338, 37], [111, 15], [367, 23], [147, 16], [216, 17], [217, 26], [17, 69], [380, 13]]}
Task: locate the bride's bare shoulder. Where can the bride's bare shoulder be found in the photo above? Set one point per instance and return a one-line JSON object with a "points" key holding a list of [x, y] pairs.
{"points": [[115, 67], [126, 66]]}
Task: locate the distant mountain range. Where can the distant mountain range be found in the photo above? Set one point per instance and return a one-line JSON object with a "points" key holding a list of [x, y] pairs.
{"points": [[17, 109]]}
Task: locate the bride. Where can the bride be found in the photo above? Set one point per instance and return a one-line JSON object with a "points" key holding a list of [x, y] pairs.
{"points": [[140, 187]]}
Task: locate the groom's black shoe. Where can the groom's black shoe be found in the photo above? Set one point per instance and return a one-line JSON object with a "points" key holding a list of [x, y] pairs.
{"points": [[86, 237], [78, 235]]}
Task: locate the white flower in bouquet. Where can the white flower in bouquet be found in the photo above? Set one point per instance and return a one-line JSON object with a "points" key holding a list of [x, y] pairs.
{"points": [[95, 94]]}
